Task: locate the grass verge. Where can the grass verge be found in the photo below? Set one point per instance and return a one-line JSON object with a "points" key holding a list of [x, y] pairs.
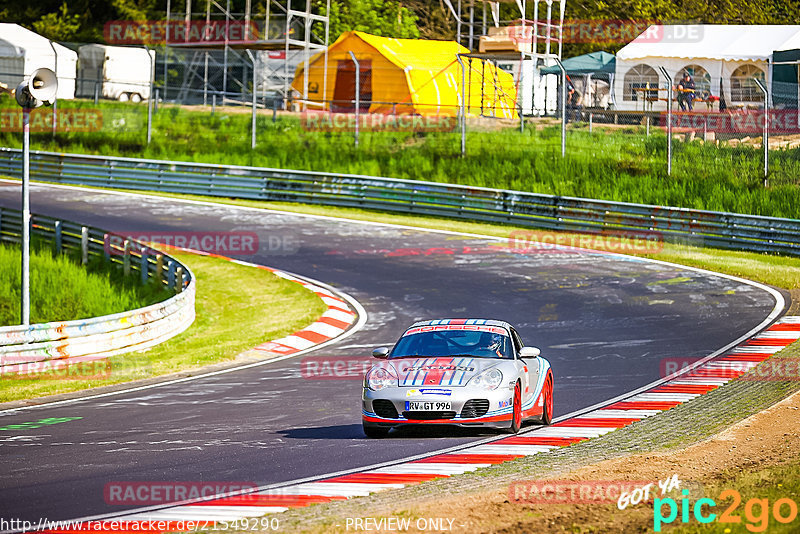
{"points": [[64, 290], [622, 164], [237, 308]]}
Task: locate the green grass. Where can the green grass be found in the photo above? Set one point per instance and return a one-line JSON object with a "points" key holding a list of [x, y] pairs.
{"points": [[237, 308], [618, 164], [63, 290]]}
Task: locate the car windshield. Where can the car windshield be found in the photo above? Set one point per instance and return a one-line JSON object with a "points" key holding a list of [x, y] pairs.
{"points": [[434, 341]]}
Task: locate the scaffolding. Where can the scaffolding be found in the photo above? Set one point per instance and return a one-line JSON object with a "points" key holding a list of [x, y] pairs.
{"points": [[225, 56], [537, 43], [543, 34]]}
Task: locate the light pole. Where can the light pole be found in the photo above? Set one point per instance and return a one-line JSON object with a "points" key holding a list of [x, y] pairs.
{"points": [[39, 89]]}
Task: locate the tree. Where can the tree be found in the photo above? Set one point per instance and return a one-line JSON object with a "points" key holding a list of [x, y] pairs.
{"points": [[60, 26], [387, 18]]}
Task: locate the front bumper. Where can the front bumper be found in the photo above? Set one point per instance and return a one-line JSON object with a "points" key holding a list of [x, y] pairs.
{"points": [[497, 415]]}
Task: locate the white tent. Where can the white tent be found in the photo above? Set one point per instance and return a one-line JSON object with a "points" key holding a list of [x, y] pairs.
{"points": [[23, 51], [730, 54]]}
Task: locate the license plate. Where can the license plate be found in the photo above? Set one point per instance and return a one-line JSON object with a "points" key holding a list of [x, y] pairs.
{"points": [[427, 406]]}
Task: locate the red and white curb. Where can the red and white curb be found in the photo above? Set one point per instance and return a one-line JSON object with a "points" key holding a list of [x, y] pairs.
{"points": [[597, 422], [336, 320]]}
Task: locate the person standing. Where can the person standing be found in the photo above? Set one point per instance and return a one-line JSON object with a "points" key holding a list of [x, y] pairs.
{"points": [[573, 102]]}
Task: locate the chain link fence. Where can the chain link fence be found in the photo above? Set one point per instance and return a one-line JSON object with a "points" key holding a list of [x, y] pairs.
{"points": [[499, 117]]}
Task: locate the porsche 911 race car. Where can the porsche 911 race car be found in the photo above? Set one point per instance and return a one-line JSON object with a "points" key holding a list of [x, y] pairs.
{"points": [[466, 372]]}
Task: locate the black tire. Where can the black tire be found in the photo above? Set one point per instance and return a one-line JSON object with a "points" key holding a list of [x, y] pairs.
{"points": [[516, 410], [547, 409], [375, 432]]}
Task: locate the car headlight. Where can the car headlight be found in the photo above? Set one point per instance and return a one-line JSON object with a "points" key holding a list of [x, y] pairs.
{"points": [[489, 379], [380, 378]]}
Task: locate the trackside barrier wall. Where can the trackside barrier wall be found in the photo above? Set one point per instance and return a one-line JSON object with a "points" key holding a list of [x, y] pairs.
{"points": [[58, 344], [698, 227]]}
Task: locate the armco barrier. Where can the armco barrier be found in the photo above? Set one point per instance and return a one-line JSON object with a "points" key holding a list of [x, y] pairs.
{"points": [[41, 348], [707, 228]]}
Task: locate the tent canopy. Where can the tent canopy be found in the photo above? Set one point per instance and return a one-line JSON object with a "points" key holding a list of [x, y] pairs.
{"points": [[405, 76], [785, 79], [729, 42], [23, 51], [593, 63]]}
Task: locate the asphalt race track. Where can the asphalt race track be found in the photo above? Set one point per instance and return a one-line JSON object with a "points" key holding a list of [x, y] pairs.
{"points": [[604, 322]]}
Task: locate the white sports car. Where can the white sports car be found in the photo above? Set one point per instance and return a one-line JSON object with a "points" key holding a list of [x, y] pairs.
{"points": [[466, 372]]}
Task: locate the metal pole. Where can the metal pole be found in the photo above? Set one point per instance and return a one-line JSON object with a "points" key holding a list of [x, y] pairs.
{"points": [[152, 94], [286, 93], [358, 91], [55, 101], [563, 107], [325, 72], [669, 119], [765, 136], [25, 305], [463, 106], [253, 118], [458, 24], [471, 24], [253, 125], [166, 52]]}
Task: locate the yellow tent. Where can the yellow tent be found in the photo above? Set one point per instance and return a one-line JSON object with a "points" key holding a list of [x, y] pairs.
{"points": [[405, 76]]}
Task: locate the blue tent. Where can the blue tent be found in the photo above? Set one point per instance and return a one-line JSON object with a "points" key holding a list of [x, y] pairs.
{"points": [[593, 63]]}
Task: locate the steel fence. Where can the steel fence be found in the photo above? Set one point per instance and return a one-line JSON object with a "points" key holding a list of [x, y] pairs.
{"points": [[557, 213], [56, 345]]}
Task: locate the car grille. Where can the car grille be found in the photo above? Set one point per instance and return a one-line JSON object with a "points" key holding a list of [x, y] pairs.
{"points": [[429, 415], [384, 408], [475, 408]]}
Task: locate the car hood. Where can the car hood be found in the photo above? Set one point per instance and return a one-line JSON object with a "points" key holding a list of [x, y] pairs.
{"points": [[440, 371]]}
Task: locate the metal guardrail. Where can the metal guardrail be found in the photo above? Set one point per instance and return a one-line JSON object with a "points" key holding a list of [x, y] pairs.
{"points": [[40, 348], [569, 214]]}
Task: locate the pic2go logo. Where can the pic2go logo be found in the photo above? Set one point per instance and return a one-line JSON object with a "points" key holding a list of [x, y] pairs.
{"points": [[756, 511]]}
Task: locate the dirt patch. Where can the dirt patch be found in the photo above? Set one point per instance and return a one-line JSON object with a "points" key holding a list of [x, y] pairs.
{"points": [[794, 308], [754, 443]]}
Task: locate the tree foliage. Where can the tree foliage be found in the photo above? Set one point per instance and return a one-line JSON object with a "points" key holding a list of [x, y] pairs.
{"points": [[59, 26], [387, 18]]}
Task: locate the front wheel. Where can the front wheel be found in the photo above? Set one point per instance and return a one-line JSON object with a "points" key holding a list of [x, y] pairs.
{"points": [[516, 414], [547, 409], [375, 432]]}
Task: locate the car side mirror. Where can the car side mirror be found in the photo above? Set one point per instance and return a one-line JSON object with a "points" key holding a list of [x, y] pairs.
{"points": [[529, 352], [381, 353]]}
